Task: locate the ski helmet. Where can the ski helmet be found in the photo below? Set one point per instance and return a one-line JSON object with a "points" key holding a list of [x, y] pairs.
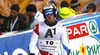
{"points": [[49, 5]]}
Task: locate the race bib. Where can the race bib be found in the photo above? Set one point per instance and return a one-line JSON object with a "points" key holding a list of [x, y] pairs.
{"points": [[49, 45]]}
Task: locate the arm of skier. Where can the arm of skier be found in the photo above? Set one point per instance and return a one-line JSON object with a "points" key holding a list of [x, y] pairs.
{"points": [[65, 41], [33, 41]]}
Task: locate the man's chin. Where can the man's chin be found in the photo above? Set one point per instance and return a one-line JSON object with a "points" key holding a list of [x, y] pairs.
{"points": [[31, 17], [13, 17]]}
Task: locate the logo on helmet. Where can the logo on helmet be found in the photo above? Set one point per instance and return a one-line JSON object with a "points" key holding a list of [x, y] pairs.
{"points": [[48, 6]]}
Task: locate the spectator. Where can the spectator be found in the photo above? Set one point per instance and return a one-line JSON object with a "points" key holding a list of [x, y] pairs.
{"points": [[35, 17], [75, 6], [15, 21], [27, 20], [65, 12], [90, 8], [2, 29]]}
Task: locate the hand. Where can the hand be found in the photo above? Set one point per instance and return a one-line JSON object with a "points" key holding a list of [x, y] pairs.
{"points": [[69, 51], [31, 54]]}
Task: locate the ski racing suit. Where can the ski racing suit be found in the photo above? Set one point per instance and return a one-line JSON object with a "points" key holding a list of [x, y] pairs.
{"points": [[49, 39]]}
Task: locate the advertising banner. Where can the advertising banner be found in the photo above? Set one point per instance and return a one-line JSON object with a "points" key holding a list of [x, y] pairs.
{"points": [[84, 34], [15, 44]]}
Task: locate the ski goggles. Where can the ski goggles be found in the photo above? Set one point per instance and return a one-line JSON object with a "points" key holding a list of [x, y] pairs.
{"points": [[89, 7], [49, 11]]}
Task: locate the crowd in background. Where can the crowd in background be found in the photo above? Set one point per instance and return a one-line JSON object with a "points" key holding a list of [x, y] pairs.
{"points": [[17, 21]]}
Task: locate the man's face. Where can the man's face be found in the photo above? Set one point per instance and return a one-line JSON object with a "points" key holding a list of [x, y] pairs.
{"points": [[49, 15], [89, 9], [30, 14], [1, 21], [14, 14], [77, 8]]}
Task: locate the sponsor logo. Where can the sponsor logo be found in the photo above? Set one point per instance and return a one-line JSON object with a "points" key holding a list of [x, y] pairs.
{"points": [[17, 51], [82, 29], [93, 27], [87, 49], [77, 30], [48, 5], [84, 39]]}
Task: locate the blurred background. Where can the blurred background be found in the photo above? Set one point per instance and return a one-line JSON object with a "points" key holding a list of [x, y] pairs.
{"points": [[6, 4]]}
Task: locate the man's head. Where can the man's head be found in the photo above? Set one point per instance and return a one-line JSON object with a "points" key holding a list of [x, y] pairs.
{"points": [[75, 4], [1, 19], [14, 10], [91, 7], [64, 4], [31, 10], [49, 12]]}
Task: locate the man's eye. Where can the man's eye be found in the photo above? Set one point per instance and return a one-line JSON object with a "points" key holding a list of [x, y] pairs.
{"points": [[14, 12]]}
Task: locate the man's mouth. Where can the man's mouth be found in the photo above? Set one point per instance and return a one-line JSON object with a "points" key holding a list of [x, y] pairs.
{"points": [[49, 17]]}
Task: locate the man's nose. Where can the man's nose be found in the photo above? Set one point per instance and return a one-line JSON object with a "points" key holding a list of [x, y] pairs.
{"points": [[12, 13]]}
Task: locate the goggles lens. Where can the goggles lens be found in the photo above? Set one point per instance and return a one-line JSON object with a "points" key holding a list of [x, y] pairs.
{"points": [[49, 11], [89, 7]]}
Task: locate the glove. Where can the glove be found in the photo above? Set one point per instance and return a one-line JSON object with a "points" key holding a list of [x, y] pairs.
{"points": [[69, 51], [31, 54]]}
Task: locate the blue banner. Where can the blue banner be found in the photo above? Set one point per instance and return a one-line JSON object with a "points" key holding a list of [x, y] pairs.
{"points": [[15, 44]]}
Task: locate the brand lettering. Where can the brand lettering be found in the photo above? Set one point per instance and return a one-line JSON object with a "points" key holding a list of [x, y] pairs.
{"points": [[48, 5], [78, 30], [17, 52], [91, 50]]}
